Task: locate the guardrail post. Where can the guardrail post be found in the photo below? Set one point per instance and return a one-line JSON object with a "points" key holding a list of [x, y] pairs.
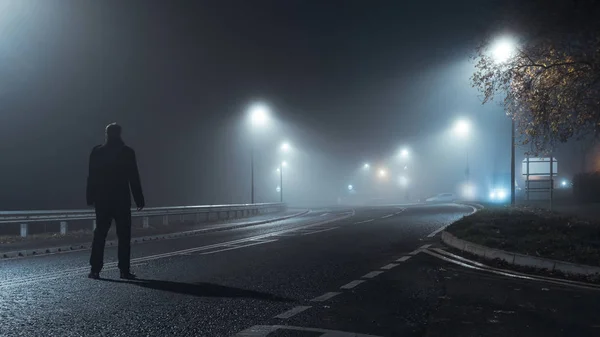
{"points": [[165, 220], [145, 222], [94, 225], [182, 218], [24, 230], [63, 227]]}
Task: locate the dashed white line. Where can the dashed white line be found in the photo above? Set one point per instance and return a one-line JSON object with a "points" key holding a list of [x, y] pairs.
{"points": [[425, 246], [389, 266], [320, 231], [387, 216], [402, 259], [372, 274], [365, 221], [415, 252], [352, 284], [324, 214], [292, 312], [325, 297]]}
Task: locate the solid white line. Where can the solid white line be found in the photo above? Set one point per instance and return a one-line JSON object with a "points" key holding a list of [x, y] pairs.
{"points": [[292, 312], [324, 214], [485, 267], [107, 266], [402, 259], [434, 233], [365, 221], [389, 266], [387, 216], [425, 246], [236, 247], [352, 284], [372, 274], [325, 297], [320, 231]]}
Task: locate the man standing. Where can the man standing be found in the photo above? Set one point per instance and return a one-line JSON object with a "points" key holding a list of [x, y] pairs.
{"points": [[112, 170]]}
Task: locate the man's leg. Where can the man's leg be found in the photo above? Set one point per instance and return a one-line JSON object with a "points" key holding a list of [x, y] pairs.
{"points": [[103, 220], [123, 222]]}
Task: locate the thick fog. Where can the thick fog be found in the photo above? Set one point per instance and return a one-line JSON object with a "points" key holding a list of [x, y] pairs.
{"points": [[181, 76]]}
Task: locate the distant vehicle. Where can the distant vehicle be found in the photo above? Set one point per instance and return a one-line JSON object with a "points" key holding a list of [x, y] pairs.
{"points": [[443, 197]]}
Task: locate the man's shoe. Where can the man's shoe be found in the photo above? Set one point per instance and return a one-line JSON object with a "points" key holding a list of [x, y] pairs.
{"points": [[94, 275], [128, 275]]}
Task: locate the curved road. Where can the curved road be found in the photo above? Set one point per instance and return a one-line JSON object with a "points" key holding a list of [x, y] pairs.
{"points": [[322, 274]]}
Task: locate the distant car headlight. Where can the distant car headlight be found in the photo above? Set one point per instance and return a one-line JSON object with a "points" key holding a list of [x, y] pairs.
{"points": [[501, 194], [498, 194]]}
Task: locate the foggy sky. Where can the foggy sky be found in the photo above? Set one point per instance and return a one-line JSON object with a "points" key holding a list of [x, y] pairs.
{"points": [[348, 82]]}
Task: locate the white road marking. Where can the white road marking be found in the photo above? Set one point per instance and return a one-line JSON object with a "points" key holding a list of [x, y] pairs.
{"points": [[415, 252], [320, 231], [372, 274], [109, 266], [365, 221], [256, 331], [325, 297], [461, 261], [324, 214], [352, 284], [389, 266], [387, 216], [237, 247], [292, 312], [264, 330], [425, 246], [402, 259], [434, 233]]}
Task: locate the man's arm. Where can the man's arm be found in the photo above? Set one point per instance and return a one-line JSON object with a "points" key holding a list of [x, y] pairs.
{"points": [[91, 180], [135, 183]]}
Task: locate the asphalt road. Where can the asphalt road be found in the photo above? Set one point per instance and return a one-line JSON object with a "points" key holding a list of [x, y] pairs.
{"points": [[336, 270]]}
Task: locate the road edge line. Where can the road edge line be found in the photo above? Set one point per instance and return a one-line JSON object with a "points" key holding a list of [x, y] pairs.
{"points": [[136, 240]]}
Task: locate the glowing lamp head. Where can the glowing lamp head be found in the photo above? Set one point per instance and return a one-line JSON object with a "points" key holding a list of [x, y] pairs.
{"points": [[259, 114]]}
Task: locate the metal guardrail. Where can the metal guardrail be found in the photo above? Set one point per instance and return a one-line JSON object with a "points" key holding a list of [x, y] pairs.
{"points": [[64, 216]]}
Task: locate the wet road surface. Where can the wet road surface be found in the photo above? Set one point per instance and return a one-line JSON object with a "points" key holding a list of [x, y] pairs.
{"points": [[331, 272]]}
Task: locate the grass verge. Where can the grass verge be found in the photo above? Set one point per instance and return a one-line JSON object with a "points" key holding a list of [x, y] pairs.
{"points": [[533, 232]]}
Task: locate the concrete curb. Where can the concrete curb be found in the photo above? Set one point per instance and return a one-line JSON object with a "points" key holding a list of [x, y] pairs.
{"points": [[516, 258], [142, 239]]}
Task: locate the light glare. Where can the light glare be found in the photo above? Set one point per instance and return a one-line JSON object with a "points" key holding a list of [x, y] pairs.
{"points": [[462, 128], [259, 114], [503, 50]]}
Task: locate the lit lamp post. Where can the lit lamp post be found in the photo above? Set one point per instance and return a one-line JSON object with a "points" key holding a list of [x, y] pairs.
{"points": [[404, 154], [285, 147], [502, 51], [259, 117], [281, 166], [462, 129]]}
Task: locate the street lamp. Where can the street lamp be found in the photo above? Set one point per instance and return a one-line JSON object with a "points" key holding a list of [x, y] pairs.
{"points": [[404, 153], [285, 147], [382, 173], [350, 187], [462, 128], [502, 50], [366, 166], [259, 117]]}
